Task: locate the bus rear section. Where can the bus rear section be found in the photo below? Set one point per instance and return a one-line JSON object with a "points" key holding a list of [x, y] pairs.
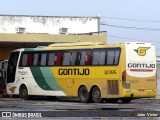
{"points": [[139, 78]]}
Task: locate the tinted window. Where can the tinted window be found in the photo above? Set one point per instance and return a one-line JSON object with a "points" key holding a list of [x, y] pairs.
{"points": [[43, 59], [73, 58], [51, 59], [24, 60], [104, 56], [98, 57], [66, 58], [113, 56], [11, 68], [36, 59]]}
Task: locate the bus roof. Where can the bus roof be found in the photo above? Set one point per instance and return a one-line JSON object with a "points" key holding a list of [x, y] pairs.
{"points": [[76, 44]]}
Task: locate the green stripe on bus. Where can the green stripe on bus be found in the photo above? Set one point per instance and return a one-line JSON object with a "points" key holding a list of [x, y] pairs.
{"points": [[50, 79], [39, 78], [33, 49], [29, 49]]}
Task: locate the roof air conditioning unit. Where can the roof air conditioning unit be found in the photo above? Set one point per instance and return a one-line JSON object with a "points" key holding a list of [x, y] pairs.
{"points": [[20, 30], [63, 30]]}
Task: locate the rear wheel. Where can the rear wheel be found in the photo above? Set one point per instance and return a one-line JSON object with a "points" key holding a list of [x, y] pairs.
{"points": [[96, 95], [24, 93], [83, 94]]}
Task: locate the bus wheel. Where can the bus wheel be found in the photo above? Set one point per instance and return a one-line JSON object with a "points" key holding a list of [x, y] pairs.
{"points": [[24, 93], [126, 100], [83, 94], [96, 95]]}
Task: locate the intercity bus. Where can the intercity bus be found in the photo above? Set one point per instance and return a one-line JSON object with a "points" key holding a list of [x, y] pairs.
{"points": [[89, 71]]}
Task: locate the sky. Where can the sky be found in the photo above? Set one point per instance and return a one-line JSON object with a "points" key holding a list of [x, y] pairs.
{"points": [[124, 20]]}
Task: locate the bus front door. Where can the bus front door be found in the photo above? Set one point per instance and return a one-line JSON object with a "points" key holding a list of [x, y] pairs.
{"points": [[11, 69]]}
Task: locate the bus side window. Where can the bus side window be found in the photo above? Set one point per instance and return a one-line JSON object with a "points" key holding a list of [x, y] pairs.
{"points": [[35, 59], [43, 59], [102, 55], [95, 58], [24, 60], [88, 58], [66, 58], [110, 57], [51, 59], [59, 58], [113, 57], [78, 58], [116, 61], [30, 60], [73, 58], [98, 57], [83, 58]]}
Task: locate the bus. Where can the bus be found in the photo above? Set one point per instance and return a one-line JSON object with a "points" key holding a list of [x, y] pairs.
{"points": [[92, 72]]}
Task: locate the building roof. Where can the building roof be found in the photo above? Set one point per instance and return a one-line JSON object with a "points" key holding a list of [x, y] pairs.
{"points": [[50, 16]]}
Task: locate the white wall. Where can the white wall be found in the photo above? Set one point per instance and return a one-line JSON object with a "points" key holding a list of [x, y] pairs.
{"points": [[48, 24]]}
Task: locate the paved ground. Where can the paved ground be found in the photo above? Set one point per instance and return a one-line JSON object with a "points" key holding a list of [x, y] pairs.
{"points": [[62, 108]]}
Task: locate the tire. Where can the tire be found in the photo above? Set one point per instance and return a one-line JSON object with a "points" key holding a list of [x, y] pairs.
{"points": [[96, 95], [126, 100], [24, 93], [83, 94]]}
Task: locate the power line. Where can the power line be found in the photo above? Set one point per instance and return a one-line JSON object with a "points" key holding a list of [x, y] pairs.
{"points": [[135, 40], [131, 38], [127, 19], [131, 27]]}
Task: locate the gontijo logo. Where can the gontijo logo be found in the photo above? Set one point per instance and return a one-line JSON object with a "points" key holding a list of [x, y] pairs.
{"points": [[141, 51]]}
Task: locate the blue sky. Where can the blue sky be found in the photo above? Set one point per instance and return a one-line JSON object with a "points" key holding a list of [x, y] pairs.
{"points": [[124, 20]]}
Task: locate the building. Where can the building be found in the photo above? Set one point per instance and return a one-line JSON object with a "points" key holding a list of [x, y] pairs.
{"points": [[47, 24], [17, 31]]}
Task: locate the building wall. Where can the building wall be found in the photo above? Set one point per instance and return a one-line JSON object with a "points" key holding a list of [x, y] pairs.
{"points": [[5, 51], [48, 24], [9, 42], [45, 30]]}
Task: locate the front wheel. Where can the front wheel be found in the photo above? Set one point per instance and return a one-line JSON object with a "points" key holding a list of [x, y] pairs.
{"points": [[24, 93], [96, 95], [83, 94]]}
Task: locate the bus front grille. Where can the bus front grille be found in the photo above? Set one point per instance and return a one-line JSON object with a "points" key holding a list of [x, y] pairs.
{"points": [[112, 86]]}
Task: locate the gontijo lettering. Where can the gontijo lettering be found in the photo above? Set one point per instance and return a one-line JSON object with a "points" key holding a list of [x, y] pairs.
{"points": [[141, 65], [74, 71]]}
